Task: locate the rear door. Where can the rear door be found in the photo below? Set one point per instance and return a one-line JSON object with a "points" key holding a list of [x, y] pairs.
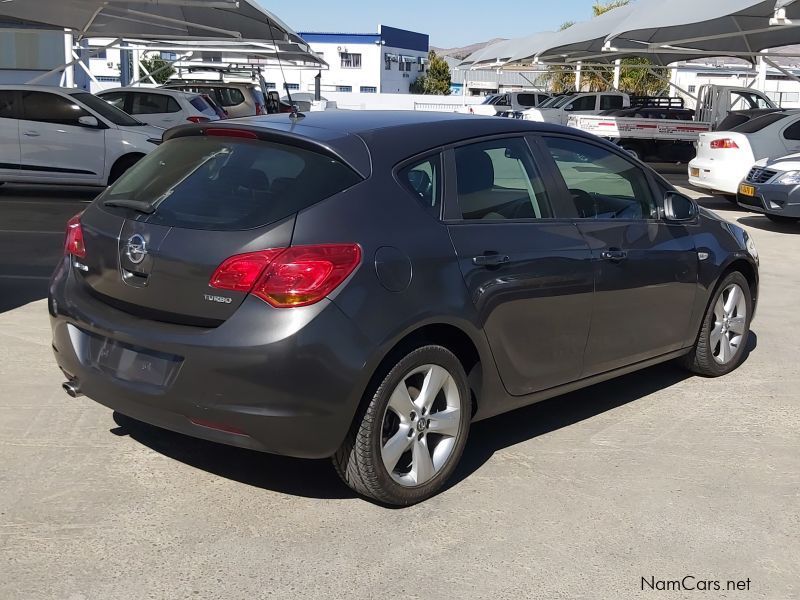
{"points": [[790, 135], [160, 110], [54, 146], [528, 274], [9, 133], [205, 199], [645, 269]]}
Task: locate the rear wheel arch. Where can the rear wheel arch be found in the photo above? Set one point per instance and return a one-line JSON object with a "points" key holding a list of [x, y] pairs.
{"points": [[122, 164]]}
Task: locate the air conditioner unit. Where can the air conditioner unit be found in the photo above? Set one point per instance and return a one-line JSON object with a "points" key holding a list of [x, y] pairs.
{"points": [[110, 65]]}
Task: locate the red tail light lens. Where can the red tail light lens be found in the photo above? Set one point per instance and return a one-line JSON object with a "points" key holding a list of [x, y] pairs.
{"points": [[296, 276], [724, 144], [240, 273], [74, 243], [195, 119], [236, 133]]}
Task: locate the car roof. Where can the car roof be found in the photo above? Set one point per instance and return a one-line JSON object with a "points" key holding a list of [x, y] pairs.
{"points": [[42, 88], [367, 139], [158, 90]]}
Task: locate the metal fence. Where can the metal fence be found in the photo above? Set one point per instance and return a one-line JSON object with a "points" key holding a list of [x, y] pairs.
{"points": [[436, 107]]}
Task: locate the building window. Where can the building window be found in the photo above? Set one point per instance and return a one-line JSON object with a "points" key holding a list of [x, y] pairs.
{"points": [[292, 86], [344, 88], [101, 54], [692, 89], [169, 56], [350, 61], [387, 62], [270, 85], [367, 89], [405, 66], [211, 56]]}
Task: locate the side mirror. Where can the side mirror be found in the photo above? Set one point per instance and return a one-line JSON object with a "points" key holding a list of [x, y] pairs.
{"points": [[89, 121], [678, 208]]}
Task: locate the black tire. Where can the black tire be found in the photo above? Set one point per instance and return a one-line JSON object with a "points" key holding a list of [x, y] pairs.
{"points": [[780, 219], [122, 165], [359, 461], [701, 359]]}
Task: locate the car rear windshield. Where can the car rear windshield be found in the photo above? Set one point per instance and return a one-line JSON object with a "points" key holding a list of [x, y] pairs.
{"points": [[224, 96], [759, 123], [105, 110], [225, 184]]}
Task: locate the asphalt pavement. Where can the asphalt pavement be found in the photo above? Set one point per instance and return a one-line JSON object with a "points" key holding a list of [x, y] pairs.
{"points": [[600, 494]]}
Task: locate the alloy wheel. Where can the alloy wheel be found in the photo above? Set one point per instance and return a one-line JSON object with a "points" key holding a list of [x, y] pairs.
{"points": [[421, 425], [730, 324]]}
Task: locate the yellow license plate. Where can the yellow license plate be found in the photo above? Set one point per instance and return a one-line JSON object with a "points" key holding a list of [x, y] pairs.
{"points": [[747, 190], [694, 172]]}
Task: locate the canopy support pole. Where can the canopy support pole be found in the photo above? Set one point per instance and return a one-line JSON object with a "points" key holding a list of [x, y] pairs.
{"points": [[93, 53], [617, 73], [578, 74]]}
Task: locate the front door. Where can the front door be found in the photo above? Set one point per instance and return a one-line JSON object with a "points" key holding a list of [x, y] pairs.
{"points": [[54, 146], [529, 275], [645, 269], [9, 134]]}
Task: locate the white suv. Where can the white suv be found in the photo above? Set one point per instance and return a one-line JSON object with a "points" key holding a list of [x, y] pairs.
{"points": [[160, 107], [67, 136]]}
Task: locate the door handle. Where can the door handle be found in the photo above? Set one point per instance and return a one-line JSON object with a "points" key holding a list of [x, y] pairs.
{"points": [[614, 255], [31, 133], [491, 260]]}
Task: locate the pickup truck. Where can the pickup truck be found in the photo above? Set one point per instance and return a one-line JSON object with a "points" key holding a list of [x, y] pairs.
{"points": [[586, 103], [669, 132], [508, 102]]}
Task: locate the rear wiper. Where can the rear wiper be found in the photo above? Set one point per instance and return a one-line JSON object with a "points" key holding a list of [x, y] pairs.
{"points": [[137, 205]]}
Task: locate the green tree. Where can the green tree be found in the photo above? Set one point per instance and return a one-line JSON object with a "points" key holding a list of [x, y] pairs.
{"points": [[601, 8], [437, 80], [159, 68], [561, 78]]}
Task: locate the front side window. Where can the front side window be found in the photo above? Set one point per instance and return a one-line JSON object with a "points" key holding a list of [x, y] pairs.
{"points": [[497, 180], [8, 105], [50, 108], [350, 61], [424, 180], [602, 184]]}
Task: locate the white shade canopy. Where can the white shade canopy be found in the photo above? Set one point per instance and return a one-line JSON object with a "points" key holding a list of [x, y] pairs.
{"points": [[186, 20]]}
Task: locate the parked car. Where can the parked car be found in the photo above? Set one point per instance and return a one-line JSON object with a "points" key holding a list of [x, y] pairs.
{"points": [[331, 289], [510, 102], [238, 99], [160, 107], [67, 136], [772, 187], [724, 158], [590, 103]]}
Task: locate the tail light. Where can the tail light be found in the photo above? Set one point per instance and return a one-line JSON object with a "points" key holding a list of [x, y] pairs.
{"points": [[724, 144], [290, 277], [197, 119], [74, 243]]}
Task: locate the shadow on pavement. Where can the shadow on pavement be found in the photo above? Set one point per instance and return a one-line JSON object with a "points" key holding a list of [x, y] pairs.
{"points": [[317, 479], [761, 222]]}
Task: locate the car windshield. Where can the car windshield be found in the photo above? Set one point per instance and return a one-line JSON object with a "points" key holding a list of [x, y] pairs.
{"points": [[105, 110], [490, 99]]}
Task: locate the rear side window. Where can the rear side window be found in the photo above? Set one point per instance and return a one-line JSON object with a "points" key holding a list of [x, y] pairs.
{"points": [[610, 102], [50, 108], [792, 132], [115, 99], [153, 104], [199, 103], [498, 181], [526, 99], [424, 180], [229, 184], [759, 123]]}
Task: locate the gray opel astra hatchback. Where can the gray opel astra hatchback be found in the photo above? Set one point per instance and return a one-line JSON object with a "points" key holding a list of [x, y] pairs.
{"points": [[364, 285]]}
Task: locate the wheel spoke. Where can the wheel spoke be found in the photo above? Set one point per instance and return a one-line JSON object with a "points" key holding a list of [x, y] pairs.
{"points": [[735, 341], [733, 300], [737, 324], [716, 335], [421, 462], [400, 402], [446, 422], [725, 350], [395, 448], [719, 309], [435, 379]]}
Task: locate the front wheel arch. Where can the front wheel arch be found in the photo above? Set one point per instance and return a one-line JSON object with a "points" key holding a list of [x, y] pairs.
{"points": [[122, 164]]}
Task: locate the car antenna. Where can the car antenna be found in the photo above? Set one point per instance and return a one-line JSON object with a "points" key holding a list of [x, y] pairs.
{"points": [[295, 114]]}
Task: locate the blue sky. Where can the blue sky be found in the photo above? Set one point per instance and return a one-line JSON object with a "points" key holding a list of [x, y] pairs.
{"points": [[451, 23]]}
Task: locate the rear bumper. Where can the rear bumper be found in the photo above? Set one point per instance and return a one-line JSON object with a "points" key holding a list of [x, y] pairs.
{"points": [[715, 176], [284, 381], [771, 199]]}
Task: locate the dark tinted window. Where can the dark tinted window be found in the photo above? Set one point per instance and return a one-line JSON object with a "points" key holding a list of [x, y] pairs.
{"points": [[497, 180], [584, 103], [203, 106], [424, 180], [792, 132], [603, 185], [526, 99], [151, 104], [229, 184], [610, 102], [760, 123], [8, 105], [49, 108], [105, 110], [224, 96]]}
